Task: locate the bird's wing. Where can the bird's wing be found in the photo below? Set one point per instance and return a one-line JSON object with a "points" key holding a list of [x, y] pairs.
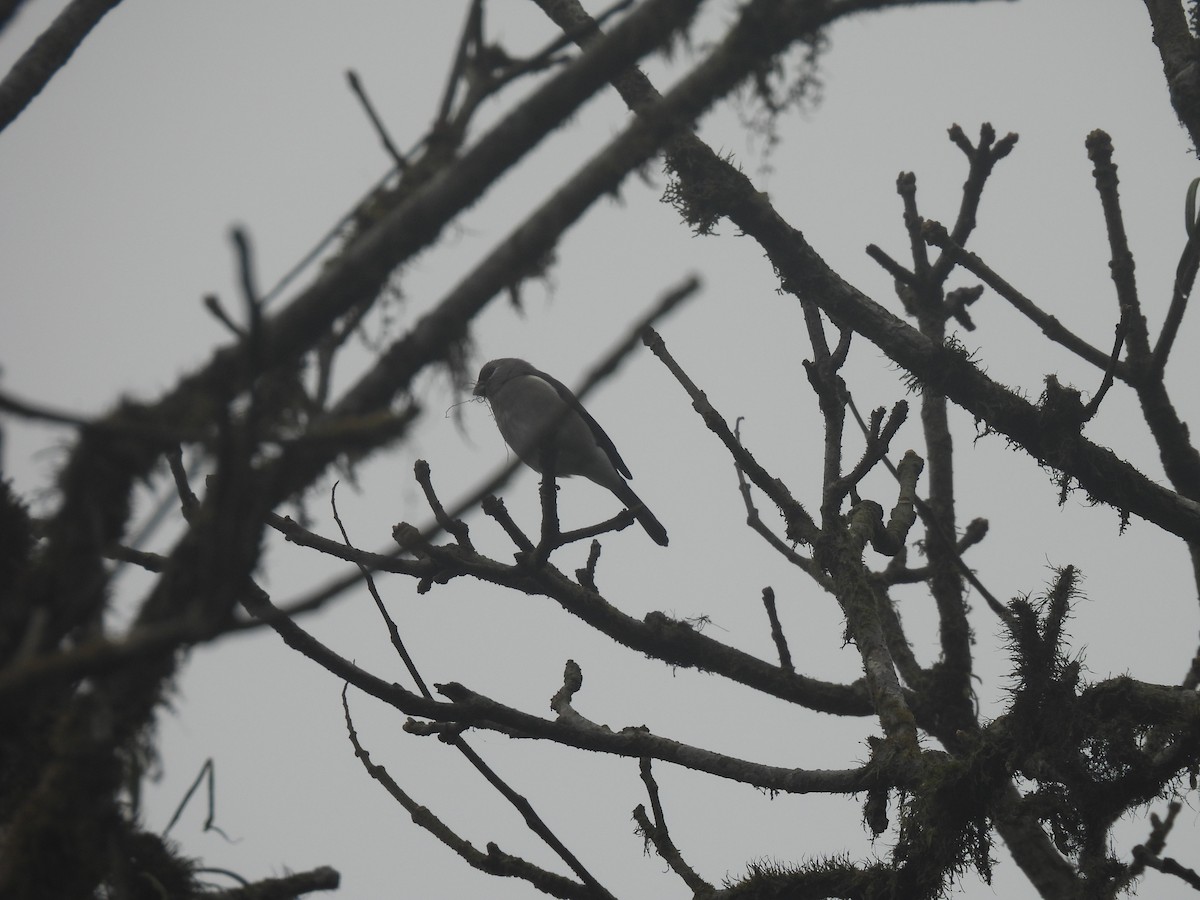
{"points": [[603, 440]]}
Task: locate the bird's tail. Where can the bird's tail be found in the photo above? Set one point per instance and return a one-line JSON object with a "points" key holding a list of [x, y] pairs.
{"points": [[653, 527]]}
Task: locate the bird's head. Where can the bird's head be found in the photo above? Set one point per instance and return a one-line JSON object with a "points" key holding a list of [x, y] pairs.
{"points": [[496, 372]]}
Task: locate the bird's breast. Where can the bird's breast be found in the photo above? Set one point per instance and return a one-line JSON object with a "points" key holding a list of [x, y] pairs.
{"points": [[531, 415]]}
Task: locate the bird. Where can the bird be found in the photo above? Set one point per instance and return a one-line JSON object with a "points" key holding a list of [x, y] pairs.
{"points": [[535, 411]]}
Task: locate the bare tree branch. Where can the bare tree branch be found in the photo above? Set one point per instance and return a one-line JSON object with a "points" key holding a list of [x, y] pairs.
{"points": [[284, 888], [494, 861], [49, 53], [657, 834], [935, 233]]}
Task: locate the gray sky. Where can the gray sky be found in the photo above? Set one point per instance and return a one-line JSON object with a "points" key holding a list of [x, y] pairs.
{"points": [[176, 120]]}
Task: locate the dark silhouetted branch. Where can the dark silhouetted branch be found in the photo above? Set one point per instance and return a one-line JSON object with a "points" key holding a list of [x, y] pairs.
{"points": [[49, 53]]}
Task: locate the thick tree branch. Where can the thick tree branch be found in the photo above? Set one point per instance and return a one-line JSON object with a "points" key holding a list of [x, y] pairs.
{"points": [[49, 53], [287, 887], [1180, 53]]}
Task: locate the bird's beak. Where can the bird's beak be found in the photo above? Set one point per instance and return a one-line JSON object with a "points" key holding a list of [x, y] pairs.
{"points": [[479, 390]]}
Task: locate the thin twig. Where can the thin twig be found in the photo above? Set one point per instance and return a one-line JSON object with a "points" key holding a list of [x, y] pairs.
{"points": [[1114, 359], [209, 771], [494, 861], [785, 655], [889, 265], [1185, 277], [1159, 829], [800, 525], [656, 832], [1104, 172], [471, 33], [879, 437], [548, 493], [151, 562], [493, 506], [212, 303], [451, 525], [188, 501], [371, 562], [935, 233], [376, 122], [619, 522], [393, 631], [754, 520], [983, 158], [931, 522], [906, 187]]}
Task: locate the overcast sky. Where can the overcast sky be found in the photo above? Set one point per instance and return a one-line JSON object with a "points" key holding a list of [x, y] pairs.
{"points": [[176, 121]]}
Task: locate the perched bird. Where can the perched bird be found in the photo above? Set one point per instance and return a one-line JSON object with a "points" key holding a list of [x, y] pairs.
{"points": [[535, 411]]}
